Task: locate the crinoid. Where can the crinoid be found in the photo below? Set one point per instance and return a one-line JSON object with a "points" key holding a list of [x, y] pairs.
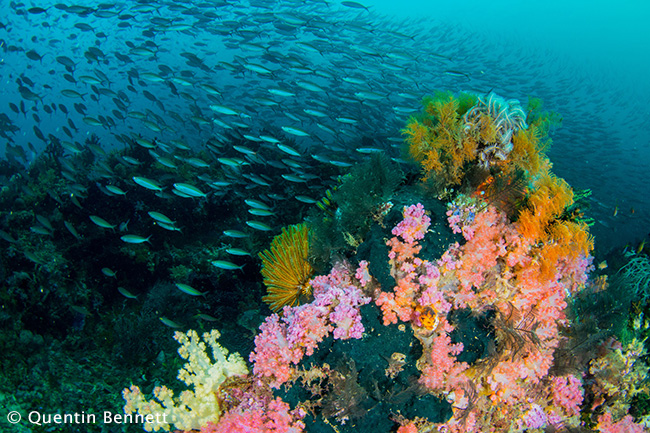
{"points": [[285, 267], [501, 118]]}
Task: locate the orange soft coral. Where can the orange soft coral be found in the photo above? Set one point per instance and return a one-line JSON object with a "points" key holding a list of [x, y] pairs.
{"points": [[550, 197]]}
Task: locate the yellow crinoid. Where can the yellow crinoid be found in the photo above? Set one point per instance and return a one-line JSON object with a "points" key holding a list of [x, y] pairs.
{"points": [[285, 268]]}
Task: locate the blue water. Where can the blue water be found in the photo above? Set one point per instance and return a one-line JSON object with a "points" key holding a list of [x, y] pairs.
{"points": [[587, 61]]}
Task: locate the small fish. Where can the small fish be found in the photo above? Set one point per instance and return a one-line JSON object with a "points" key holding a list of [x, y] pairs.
{"points": [[237, 252], [40, 230], [224, 264], [147, 183], [368, 150], [153, 77], [81, 310], [257, 204], [260, 212], [457, 74], [101, 222], [72, 93], [312, 87], [280, 92], [115, 190], [293, 178], [370, 96], [615, 211], [109, 272], [346, 120], [130, 160], [231, 162], [258, 225], [189, 289], [135, 239], [126, 293], [169, 322], [287, 149], [7, 237], [189, 190], [245, 150], [305, 199], [235, 234], [269, 139], [295, 131], [197, 162], [223, 110], [72, 230], [30, 255], [210, 89], [640, 247], [124, 226], [257, 68], [146, 143], [170, 227], [602, 265], [37, 10], [314, 113], [160, 217], [353, 5], [44, 222]]}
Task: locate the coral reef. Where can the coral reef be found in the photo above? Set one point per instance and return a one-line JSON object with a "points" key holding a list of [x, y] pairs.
{"points": [[471, 324]]}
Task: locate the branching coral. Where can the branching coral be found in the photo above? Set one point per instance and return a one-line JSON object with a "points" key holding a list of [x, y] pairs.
{"points": [[285, 267]]}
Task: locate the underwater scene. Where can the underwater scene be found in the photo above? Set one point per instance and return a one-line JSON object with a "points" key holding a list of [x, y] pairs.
{"points": [[320, 216]]}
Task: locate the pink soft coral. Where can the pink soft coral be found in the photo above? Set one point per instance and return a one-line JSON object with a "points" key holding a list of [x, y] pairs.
{"points": [[414, 225], [408, 428], [442, 372], [625, 425], [339, 293], [274, 418], [567, 393], [274, 354], [282, 343]]}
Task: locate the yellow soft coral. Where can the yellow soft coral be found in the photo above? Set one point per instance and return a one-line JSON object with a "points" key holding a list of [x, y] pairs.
{"points": [[193, 408], [434, 140]]}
